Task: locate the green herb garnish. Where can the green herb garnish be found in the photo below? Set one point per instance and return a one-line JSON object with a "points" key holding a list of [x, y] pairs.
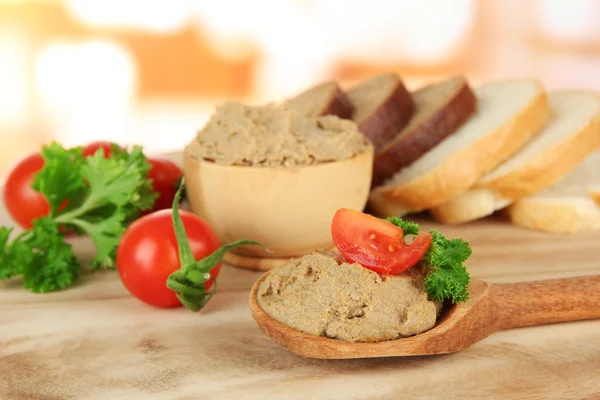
{"points": [[408, 227], [447, 276], [96, 196]]}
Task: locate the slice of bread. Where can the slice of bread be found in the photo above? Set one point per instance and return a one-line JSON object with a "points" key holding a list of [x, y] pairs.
{"points": [[382, 107], [570, 135], [324, 99], [509, 114], [566, 206], [440, 109]]}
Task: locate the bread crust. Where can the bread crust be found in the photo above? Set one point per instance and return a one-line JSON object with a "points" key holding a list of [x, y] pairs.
{"points": [[382, 207], [337, 103], [391, 114], [555, 215], [463, 169], [470, 205], [407, 147], [550, 166]]}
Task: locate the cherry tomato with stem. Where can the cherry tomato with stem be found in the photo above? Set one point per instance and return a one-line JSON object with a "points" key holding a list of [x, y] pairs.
{"points": [[148, 254]]}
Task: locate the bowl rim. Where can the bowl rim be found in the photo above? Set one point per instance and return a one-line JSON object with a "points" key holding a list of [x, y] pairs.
{"points": [[368, 152]]}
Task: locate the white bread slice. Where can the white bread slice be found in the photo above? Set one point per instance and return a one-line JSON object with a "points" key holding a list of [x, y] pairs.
{"points": [[566, 206], [570, 135], [510, 112], [324, 99], [440, 109], [382, 107]]}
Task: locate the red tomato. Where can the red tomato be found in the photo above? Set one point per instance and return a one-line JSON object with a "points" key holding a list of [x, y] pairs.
{"points": [[164, 174], [148, 254], [375, 243], [22, 202], [93, 147]]}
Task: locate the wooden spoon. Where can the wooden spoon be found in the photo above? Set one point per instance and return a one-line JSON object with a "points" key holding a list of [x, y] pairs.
{"points": [[491, 308]]}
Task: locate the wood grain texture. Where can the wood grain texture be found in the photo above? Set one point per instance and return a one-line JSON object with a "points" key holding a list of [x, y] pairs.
{"points": [[94, 342], [546, 302], [490, 308]]}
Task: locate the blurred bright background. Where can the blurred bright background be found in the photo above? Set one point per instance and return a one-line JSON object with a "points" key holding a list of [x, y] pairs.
{"points": [[150, 72]]}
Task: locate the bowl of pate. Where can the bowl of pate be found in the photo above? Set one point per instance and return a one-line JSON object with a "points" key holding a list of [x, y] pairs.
{"points": [[269, 174]]}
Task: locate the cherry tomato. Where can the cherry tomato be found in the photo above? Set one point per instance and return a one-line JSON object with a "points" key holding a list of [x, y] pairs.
{"points": [[93, 147], [148, 254], [22, 202], [375, 243], [164, 174]]}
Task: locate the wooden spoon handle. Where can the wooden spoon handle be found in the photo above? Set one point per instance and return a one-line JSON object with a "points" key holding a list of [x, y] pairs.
{"points": [[545, 302]]}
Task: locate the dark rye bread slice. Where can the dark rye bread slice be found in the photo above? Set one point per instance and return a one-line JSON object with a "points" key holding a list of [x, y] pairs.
{"points": [[440, 109], [382, 107], [324, 99]]}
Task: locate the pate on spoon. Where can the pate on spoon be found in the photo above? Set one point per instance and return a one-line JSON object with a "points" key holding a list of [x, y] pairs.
{"points": [[490, 308]]}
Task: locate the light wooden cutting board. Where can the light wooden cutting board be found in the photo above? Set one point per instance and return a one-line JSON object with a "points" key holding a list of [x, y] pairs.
{"points": [[95, 342]]}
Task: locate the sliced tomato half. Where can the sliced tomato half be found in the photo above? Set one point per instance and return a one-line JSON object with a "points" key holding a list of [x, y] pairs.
{"points": [[375, 243]]}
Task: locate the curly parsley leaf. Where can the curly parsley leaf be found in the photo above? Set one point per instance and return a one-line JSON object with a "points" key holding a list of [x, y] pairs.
{"points": [[106, 235], [448, 277], [8, 269], [60, 180], [40, 256], [52, 264], [143, 196], [409, 228], [118, 190]]}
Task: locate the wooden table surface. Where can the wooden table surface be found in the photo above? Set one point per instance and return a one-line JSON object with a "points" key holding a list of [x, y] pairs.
{"points": [[93, 341]]}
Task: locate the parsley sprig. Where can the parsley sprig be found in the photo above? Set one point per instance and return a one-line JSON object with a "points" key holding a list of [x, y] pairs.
{"points": [[96, 196], [40, 256], [447, 276]]}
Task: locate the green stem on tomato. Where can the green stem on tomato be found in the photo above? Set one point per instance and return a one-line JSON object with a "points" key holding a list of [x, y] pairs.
{"points": [[188, 282], [183, 289], [196, 276], [186, 256]]}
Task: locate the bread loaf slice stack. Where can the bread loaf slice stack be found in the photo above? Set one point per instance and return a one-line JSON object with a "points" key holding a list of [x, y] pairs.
{"points": [[509, 113], [440, 109], [324, 99], [571, 133], [564, 207], [382, 107]]}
